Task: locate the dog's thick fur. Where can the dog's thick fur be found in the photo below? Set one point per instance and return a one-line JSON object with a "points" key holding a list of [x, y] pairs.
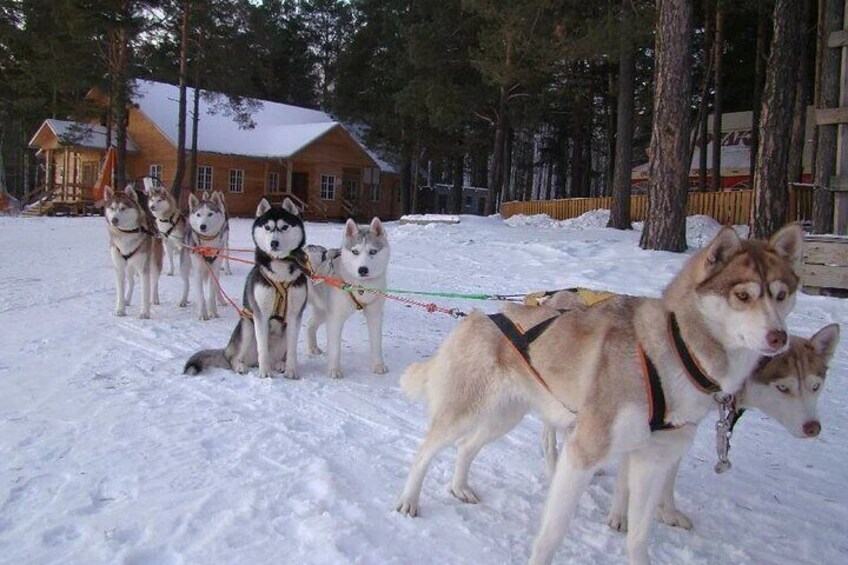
{"points": [[362, 260], [265, 339], [171, 225], [207, 221], [730, 300], [133, 247]]}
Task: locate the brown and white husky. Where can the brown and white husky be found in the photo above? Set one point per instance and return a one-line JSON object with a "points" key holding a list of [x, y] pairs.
{"points": [[171, 225], [133, 247], [600, 369]]}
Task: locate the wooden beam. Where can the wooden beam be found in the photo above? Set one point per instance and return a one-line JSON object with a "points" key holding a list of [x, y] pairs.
{"points": [[831, 116], [837, 38]]}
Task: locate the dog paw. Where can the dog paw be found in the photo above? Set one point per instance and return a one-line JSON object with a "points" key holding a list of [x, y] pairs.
{"points": [[291, 375], [156, 301], [335, 373], [407, 508], [315, 350], [617, 522], [203, 316], [239, 368], [144, 316], [379, 368], [120, 312], [674, 518], [264, 374], [465, 494], [183, 303]]}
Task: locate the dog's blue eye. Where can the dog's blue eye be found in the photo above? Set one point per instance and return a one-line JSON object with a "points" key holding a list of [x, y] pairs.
{"points": [[354, 251], [372, 252], [209, 214], [284, 228]]}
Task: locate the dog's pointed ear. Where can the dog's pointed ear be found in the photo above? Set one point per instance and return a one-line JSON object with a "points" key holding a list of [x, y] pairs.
{"points": [[130, 191], [108, 193], [290, 207], [825, 340], [218, 198], [788, 242], [377, 227], [263, 207], [724, 245], [350, 228], [192, 201]]}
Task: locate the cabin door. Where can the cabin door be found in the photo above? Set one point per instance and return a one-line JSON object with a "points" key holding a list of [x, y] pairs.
{"points": [[300, 186]]}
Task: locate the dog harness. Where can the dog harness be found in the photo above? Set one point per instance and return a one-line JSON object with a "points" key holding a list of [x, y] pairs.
{"points": [[174, 224], [521, 339], [129, 255], [657, 407], [281, 297]]}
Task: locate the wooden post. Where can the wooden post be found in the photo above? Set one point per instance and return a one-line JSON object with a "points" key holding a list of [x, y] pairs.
{"points": [[289, 164], [837, 40]]}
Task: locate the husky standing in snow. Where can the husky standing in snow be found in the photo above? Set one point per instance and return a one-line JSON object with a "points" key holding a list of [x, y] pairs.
{"points": [[635, 377], [225, 236], [172, 226], [362, 260], [133, 247], [207, 222], [274, 298]]}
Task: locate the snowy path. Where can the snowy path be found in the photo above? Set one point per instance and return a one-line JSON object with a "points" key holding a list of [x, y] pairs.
{"points": [[109, 455]]}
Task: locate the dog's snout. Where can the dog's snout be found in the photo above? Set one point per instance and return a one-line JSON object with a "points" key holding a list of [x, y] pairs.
{"points": [[202, 227], [776, 339], [363, 271], [114, 221], [274, 244], [812, 429]]}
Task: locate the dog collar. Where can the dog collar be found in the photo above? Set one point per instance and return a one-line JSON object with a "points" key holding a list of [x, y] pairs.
{"points": [[696, 374], [134, 230]]}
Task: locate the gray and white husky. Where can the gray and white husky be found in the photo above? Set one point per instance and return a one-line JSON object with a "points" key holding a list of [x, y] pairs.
{"points": [[133, 247], [171, 225], [275, 295], [225, 236], [362, 260], [599, 369], [207, 222]]}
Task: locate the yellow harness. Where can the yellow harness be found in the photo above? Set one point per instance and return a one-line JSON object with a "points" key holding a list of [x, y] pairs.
{"points": [[589, 297]]}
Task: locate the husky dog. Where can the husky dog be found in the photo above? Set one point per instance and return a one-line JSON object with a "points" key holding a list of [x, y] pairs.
{"points": [[225, 236], [207, 222], [604, 370], [785, 388], [171, 226], [133, 247], [362, 260], [274, 298]]}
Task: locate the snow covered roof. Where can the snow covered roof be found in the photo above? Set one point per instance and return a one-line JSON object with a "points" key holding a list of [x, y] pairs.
{"points": [[280, 130], [77, 134]]}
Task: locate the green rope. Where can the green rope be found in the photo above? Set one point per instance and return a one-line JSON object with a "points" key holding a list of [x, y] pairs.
{"points": [[354, 287]]}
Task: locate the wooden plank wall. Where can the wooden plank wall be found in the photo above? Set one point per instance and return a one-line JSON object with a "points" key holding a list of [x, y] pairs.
{"points": [[727, 207]]}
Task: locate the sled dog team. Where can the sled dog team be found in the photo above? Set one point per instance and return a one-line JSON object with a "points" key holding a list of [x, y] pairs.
{"points": [[625, 380]]}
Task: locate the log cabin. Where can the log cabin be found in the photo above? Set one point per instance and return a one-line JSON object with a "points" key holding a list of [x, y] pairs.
{"points": [[289, 151]]}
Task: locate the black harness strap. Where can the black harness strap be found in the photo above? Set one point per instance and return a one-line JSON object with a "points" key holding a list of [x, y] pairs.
{"points": [[173, 223], [697, 375], [656, 397], [521, 341]]}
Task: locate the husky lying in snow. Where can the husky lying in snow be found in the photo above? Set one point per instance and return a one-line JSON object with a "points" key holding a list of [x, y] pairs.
{"points": [[207, 222], [274, 295], [171, 226], [362, 260], [133, 248], [603, 370]]}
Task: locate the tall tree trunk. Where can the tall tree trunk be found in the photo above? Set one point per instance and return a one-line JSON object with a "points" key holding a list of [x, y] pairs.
{"points": [[406, 183], [798, 140], [665, 224], [496, 176], [718, 46], [704, 107], [179, 173], [121, 107], [768, 212], [821, 42], [612, 126], [620, 209], [826, 146], [195, 124], [458, 172], [759, 78]]}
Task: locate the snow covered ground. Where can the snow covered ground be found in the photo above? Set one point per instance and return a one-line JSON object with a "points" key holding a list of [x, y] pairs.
{"points": [[108, 454]]}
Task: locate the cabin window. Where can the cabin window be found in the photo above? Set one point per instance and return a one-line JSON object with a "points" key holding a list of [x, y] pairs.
{"points": [[204, 177], [375, 193], [273, 181], [351, 189], [236, 180], [328, 187], [156, 175], [468, 201]]}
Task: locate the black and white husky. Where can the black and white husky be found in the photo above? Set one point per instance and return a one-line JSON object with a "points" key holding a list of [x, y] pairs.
{"points": [[362, 260], [207, 220], [274, 298]]}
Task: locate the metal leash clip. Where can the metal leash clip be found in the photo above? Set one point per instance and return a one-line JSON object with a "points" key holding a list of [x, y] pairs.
{"points": [[724, 429]]}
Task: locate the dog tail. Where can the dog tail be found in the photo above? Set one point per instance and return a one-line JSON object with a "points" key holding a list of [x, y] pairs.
{"points": [[205, 359], [413, 382]]}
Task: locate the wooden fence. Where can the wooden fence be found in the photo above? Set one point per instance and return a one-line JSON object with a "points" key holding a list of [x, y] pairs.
{"points": [[727, 207]]}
